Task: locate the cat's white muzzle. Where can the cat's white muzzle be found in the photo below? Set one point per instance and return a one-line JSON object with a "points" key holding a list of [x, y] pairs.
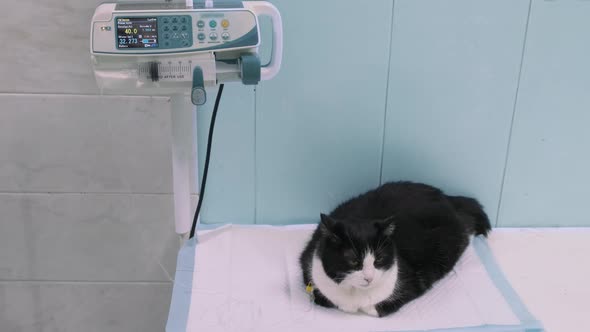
{"points": [[363, 279]]}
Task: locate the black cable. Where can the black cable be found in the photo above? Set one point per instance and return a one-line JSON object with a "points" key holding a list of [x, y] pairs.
{"points": [[206, 167]]}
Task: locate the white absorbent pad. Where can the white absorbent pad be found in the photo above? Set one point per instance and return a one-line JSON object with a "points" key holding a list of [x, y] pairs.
{"points": [[247, 279]]}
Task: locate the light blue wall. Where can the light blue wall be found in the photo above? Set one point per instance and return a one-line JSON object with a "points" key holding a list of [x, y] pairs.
{"points": [[483, 98], [548, 172], [453, 79]]}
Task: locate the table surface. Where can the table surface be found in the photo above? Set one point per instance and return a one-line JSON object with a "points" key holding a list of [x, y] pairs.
{"points": [[550, 269]]}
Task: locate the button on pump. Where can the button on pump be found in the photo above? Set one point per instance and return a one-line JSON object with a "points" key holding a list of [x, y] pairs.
{"points": [[212, 23], [201, 36], [213, 36], [225, 36], [200, 24], [225, 23]]}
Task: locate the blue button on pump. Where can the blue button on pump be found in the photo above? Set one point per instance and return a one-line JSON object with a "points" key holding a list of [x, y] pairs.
{"points": [[212, 23]]}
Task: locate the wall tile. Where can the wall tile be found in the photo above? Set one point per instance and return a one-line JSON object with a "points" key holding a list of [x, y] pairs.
{"points": [[87, 237], [65, 307], [57, 143], [48, 47]]}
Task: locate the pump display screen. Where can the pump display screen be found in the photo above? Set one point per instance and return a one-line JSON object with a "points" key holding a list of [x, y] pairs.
{"points": [[137, 32]]}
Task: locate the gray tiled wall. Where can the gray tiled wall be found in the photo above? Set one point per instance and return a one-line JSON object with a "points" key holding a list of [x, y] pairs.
{"points": [[87, 237], [84, 307]]}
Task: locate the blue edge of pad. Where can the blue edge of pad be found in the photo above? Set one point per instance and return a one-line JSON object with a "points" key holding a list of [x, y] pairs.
{"points": [[181, 293]]}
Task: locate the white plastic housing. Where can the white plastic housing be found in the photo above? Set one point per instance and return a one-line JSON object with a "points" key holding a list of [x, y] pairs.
{"points": [[127, 71]]}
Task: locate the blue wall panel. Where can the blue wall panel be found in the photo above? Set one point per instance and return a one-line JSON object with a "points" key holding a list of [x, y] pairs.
{"points": [[548, 175], [230, 185], [319, 124], [453, 81], [424, 90]]}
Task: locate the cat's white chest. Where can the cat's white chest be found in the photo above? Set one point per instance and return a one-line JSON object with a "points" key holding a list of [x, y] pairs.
{"points": [[353, 299]]}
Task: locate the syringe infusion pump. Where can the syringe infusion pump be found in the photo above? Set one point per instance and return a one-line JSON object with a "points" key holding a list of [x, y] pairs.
{"points": [[169, 49]]}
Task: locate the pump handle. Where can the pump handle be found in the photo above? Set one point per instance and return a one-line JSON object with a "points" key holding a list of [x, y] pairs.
{"points": [[261, 8]]}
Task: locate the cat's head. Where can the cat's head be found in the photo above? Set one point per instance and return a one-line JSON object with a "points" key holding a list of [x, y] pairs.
{"points": [[356, 252]]}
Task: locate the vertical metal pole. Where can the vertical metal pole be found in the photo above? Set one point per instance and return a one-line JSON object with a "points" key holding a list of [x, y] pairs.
{"points": [[183, 149]]}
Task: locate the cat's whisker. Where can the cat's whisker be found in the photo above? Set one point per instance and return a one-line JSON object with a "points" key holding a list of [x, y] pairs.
{"points": [[379, 244]]}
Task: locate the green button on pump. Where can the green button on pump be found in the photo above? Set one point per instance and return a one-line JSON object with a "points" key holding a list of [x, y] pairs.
{"points": [[212, 23]]}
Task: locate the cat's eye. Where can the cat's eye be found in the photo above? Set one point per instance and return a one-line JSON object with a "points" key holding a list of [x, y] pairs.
{"points": [[353, 262]]}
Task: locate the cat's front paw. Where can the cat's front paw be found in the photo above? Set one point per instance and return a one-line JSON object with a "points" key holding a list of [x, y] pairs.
{"points": [[370, 310], [349, 309]]}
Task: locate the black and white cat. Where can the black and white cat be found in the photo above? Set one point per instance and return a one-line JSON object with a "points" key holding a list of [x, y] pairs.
{"points": [[387, 247]]}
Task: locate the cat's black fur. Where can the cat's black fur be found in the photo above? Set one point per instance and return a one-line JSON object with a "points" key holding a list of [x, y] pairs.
{"points": [[431, 231]]}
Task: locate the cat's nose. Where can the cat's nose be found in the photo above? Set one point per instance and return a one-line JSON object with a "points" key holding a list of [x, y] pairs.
{"points": [[368, 274]]}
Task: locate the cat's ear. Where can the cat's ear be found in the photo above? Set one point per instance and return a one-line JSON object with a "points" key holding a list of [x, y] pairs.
{"points": [[326, 224], [327, 227], [388, 226]]}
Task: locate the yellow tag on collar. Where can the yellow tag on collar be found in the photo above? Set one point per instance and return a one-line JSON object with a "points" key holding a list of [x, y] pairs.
{"points": [[309, 288]]}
